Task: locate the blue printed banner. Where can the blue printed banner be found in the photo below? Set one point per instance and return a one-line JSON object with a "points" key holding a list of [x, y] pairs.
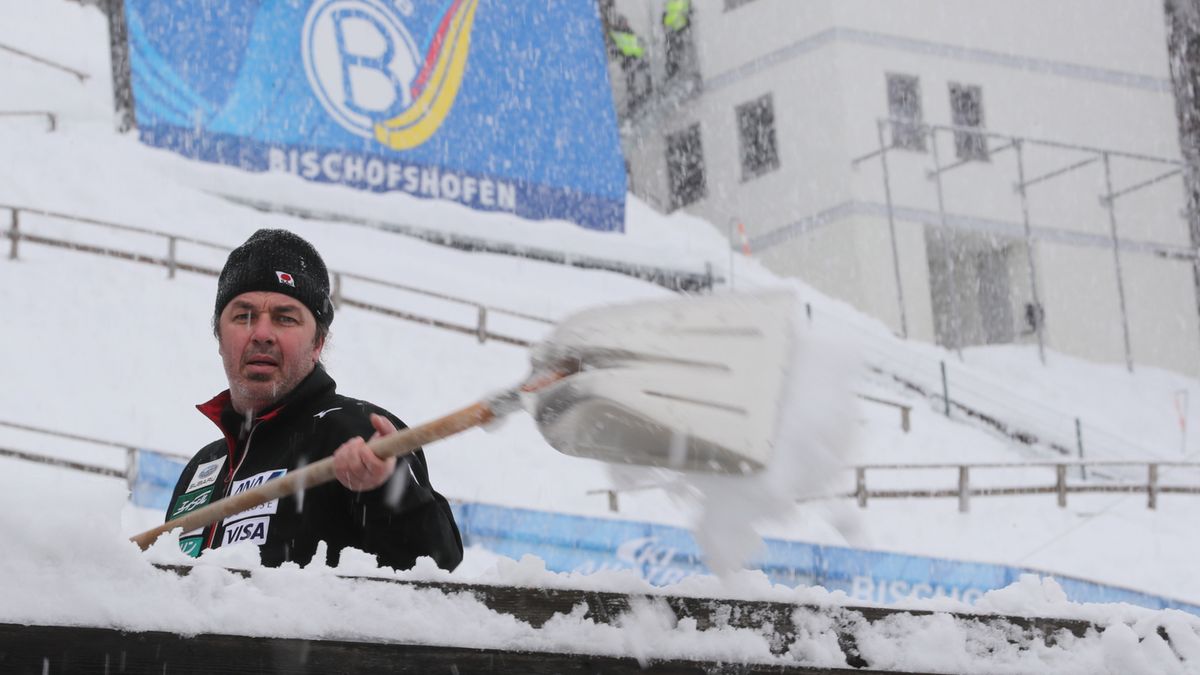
{"points": [[662, 555], [500, 106], [156, 477]]}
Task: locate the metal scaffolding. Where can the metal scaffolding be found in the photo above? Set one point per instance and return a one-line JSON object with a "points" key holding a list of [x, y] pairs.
{"points": [[1018, 144]]}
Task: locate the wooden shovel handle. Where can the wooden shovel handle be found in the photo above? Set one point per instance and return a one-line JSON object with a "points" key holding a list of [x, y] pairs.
{"points": [[393, 445]]}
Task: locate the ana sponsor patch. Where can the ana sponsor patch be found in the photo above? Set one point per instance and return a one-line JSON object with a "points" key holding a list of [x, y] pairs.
{"points": [[253, 482], [206, 474], [252, 530]]}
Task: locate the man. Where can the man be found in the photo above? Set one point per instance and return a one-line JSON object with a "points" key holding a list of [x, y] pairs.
{"points": [[677, 17], [626, 45], [282, 411]]}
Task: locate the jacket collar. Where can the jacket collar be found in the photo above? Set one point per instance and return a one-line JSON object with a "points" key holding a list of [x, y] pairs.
{"points": [[220, 410]]}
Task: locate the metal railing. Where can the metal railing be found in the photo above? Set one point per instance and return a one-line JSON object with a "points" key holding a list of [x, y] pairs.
{"points": [[129, 450], [51, 118], [883, 359], [79, 74], [172, 262], [79, 437], [954, 390], [670, 278], [964, 491], [64, 463], [904, 409]]}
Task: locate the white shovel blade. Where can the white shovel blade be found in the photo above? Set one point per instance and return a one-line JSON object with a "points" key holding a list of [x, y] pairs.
{"points": [[691, 384]]}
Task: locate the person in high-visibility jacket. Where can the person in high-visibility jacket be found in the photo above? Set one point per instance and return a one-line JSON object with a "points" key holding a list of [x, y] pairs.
{"points": [[676, 14], [628, 46], [627, 43]]}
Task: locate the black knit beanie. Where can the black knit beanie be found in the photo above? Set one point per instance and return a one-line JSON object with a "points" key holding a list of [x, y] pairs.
{"points": [[278, 261]]}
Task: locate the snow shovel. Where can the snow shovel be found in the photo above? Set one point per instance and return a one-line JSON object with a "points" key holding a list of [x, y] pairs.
{"points": [[691, 384]]}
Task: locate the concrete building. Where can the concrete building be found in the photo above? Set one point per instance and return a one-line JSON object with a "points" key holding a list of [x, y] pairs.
{"points": [[945, 167]]}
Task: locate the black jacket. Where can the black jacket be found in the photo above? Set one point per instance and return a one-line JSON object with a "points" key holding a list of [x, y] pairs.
{"points": [[398, 522]]}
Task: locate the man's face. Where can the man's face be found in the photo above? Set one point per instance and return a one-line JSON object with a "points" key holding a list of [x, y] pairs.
{"points": [[268, 344]]}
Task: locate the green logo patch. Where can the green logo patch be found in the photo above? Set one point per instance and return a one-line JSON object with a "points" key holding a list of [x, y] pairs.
{"points": [[190, 502], [191, 546]]}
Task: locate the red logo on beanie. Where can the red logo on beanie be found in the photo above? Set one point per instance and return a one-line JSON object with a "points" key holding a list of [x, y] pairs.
{"points": [[285, 278]]}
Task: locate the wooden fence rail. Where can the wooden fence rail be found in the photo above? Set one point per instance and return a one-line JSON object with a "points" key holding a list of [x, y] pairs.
{"points": [[964, 492]]}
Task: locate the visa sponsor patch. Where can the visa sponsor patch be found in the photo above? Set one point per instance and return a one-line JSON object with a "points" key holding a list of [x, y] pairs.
{"points": [[190, 501], [252, 530], [206, 474], [253, 482]]}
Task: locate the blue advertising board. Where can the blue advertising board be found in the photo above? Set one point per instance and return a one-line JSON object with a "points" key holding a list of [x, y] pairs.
{"points": [[662, 554], [500, 106], [155, 479]]}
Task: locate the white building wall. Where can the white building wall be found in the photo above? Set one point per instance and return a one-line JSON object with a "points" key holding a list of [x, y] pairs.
{"points": [[1084, 72]]}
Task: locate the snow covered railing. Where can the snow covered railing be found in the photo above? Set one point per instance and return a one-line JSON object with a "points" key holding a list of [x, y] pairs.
{"points": [[961, 394], [437, 317], [964, 491], [905, 409], [170, 260], [63, 463], [431, 316], [673, 279], [75, 437], [134, 456], [80, 75], [51, 118]]}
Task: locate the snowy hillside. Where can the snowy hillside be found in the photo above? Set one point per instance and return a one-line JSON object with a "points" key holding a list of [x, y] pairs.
{"points": [[113, 350]]}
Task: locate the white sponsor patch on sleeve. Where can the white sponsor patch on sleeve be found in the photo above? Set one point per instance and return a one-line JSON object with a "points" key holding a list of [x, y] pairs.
{"points": [[250, 530], [206, 474], [253, 482]]}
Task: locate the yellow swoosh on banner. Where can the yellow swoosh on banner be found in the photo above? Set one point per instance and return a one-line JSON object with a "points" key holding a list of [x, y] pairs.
{"points": [[421, 120]]}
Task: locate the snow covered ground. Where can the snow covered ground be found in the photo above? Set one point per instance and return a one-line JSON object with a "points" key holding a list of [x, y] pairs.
{"points": [[114, 350]]}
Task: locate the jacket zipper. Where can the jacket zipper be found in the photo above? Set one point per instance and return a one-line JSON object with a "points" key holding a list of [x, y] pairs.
{"points": [[232, 475]]}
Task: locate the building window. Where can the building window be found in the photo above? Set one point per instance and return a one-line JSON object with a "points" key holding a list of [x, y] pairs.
{"points": [[685, 166], [966, 109], [904, 108], [756, 130]]}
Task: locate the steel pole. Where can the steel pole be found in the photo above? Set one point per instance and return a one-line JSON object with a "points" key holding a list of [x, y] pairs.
{"points": [[1116, 249], [954, 324], [887, 196], [1039, 315], [731, 246], [14, 233]]}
